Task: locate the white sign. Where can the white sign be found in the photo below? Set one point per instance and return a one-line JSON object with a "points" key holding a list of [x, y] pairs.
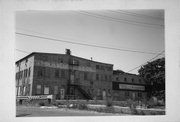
{"points": [[131, 87]]}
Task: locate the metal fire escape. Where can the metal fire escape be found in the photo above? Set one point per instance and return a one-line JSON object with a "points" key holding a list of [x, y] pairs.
{"points": [[74, 84]]}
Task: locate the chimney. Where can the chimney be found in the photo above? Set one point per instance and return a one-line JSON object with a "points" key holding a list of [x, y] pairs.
{"points": [[91, 58], [68, 52]]}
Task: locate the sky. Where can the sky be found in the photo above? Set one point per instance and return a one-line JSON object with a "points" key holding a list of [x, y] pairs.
{"points": [[129, 32]]}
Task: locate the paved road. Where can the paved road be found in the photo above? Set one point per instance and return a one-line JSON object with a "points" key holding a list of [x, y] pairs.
{"points": [[27, 111]]}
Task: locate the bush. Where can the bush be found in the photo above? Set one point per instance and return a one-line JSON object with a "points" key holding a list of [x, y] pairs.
{"points": [[41, 103], [109, 102], [82, 106]]}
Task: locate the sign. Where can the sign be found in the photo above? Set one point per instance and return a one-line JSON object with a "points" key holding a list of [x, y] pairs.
{"points": [[36, 97], [131, 87]]}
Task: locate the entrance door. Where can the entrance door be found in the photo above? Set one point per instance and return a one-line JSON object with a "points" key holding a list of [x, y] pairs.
{"points": [[104, 94], [62, 93], [133, 96]]}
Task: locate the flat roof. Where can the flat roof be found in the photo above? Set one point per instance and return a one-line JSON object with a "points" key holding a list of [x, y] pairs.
{"points": [[33, 53], [123, 73]]}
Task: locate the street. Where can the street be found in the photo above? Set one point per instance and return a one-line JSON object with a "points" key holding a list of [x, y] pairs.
{"points": [[29, 111]]}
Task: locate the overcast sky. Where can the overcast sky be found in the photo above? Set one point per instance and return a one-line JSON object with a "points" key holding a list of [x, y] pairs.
{"points": [[130, 30]]}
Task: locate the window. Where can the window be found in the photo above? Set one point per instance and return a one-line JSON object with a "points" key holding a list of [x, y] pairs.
{"points": [[127, 94], [139, 94], [56, 73], [132, 80], [102, 67], [40, 72], [46, 90], [88, 64], [109, 68], [97, 77], [102, 77], [22, 74], [110, 77], [85, 76], [117, 79], [105, 77], [29, 73], [55, 89], [26, 71], [62, 73], [44, 58], [38, 89], [17, 75], [98, 92], [125, 79], [139, 80], [75, 62], [97, 66], [60, 60]]}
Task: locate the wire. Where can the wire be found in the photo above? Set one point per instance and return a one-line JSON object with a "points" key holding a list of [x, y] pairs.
{"points": [[135, 14], [120, 20], [22, 51], [147, 61], [84, 44]]}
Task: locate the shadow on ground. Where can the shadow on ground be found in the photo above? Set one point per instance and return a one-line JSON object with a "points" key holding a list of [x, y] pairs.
{"points": [[21, 115]]}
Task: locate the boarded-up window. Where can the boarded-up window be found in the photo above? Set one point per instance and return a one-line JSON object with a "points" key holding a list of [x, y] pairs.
{"points": [[46, 90], [38, 89], [55, 89]]}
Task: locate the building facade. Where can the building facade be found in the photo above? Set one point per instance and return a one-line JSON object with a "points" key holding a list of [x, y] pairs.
{"points": [[63, 75], [128, 86]]}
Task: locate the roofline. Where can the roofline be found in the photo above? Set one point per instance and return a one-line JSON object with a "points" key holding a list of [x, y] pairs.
{"points": [[127, 73], [92, 60], [31, 54]]}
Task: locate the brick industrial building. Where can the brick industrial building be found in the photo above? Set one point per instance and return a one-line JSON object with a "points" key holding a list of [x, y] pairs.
{"points": [[128, 86], [68, 76], [63, 75]]}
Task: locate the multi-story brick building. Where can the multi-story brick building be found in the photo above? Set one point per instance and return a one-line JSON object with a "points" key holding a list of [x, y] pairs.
{"points": [[63, 75], [128, 86]]}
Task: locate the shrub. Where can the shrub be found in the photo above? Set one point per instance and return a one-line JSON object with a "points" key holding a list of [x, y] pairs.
{"points": [[41, 103], [82, 106], [109, 102]]}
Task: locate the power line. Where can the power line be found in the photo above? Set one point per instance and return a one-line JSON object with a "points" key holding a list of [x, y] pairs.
{"points": [[135, 14], [22, 51], [84, 44], [120, 20], [147, 61]]}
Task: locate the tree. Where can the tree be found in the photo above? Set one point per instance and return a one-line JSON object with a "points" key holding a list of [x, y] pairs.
{"points": [[154, 74]]}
